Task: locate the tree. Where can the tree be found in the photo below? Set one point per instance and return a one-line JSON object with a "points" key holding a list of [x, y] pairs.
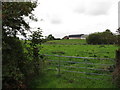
{"points": [[33, 49], [94, 38], [109, 37], [13, 17], [50, 37], [106, 37], [13, 23], [36, 37]]}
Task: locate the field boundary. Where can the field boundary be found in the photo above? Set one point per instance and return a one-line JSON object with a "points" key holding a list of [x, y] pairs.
{"points": [[59, 61]]}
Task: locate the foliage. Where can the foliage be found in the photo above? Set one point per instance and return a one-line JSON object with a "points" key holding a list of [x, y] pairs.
{"points": [[15, 63], [94, 38], [35, 43], [36, 37], [13, 17], [106, 37], [12, 68], [50, 37]]}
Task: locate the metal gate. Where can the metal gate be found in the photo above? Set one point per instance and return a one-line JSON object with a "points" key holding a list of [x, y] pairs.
{"points": [[86, 67]]}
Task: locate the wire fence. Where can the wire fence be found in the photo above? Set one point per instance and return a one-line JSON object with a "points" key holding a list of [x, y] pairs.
{"points": [[61, 67]]}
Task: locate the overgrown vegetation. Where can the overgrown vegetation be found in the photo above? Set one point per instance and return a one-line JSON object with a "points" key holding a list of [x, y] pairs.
{"points": [[19, 66]]}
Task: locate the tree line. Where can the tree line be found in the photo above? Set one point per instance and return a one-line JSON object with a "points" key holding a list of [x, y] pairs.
{"points": [[106, 37]]}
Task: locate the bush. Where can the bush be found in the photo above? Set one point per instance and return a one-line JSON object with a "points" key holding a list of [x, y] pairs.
{"points": [[106, 37], [13, 62], [21, 61]]}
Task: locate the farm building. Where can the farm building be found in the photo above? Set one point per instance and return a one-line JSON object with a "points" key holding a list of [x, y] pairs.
{"points": [[77, 36]]}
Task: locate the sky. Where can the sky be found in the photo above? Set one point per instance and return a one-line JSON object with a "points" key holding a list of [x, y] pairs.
{"points": [[66, 17]]}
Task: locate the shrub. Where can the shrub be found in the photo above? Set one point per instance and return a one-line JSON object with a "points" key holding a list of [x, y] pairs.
{"points": [[106, 37]]}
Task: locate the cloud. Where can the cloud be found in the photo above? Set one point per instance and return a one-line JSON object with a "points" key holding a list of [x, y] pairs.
{"points": [[94, 7], [55, 18], [80, 9], [55, 21], [64, 17], [119, 14]]}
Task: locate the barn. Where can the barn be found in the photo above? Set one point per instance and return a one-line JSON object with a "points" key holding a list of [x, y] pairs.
{"points": [[77, 36]]}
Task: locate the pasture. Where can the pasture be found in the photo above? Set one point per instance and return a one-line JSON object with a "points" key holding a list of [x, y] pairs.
{"points": [[67, 72], [66, 41]]}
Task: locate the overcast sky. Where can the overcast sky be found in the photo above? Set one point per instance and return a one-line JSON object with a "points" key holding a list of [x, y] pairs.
{"points": [[65, 17]]}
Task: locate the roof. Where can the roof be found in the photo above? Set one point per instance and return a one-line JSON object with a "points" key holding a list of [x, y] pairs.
{"points": [[77, 35]]}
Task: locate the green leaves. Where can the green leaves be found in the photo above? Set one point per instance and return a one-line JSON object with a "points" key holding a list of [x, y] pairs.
{"points": [[15, 63], [106, 37], [50, 37], [13, 17]]}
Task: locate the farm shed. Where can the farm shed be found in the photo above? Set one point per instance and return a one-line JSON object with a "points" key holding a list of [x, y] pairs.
{"points": [[77, 36]]}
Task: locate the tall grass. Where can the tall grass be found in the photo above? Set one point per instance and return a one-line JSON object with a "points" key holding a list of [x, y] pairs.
{"points": [[76, 80]]}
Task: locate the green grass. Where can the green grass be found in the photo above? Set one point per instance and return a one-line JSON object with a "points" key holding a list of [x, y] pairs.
{"points": [[102, 51], [51, 80], [76, 80], [66, 41]]}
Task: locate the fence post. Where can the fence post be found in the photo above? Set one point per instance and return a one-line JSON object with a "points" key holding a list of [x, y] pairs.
{"points": [[59, 67]]}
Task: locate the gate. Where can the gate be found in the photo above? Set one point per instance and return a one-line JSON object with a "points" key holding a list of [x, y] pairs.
{"points": [[86, 67]]}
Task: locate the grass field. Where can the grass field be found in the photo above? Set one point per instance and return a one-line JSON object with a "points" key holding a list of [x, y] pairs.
{"points": [[77, 48], [66, 41]]}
